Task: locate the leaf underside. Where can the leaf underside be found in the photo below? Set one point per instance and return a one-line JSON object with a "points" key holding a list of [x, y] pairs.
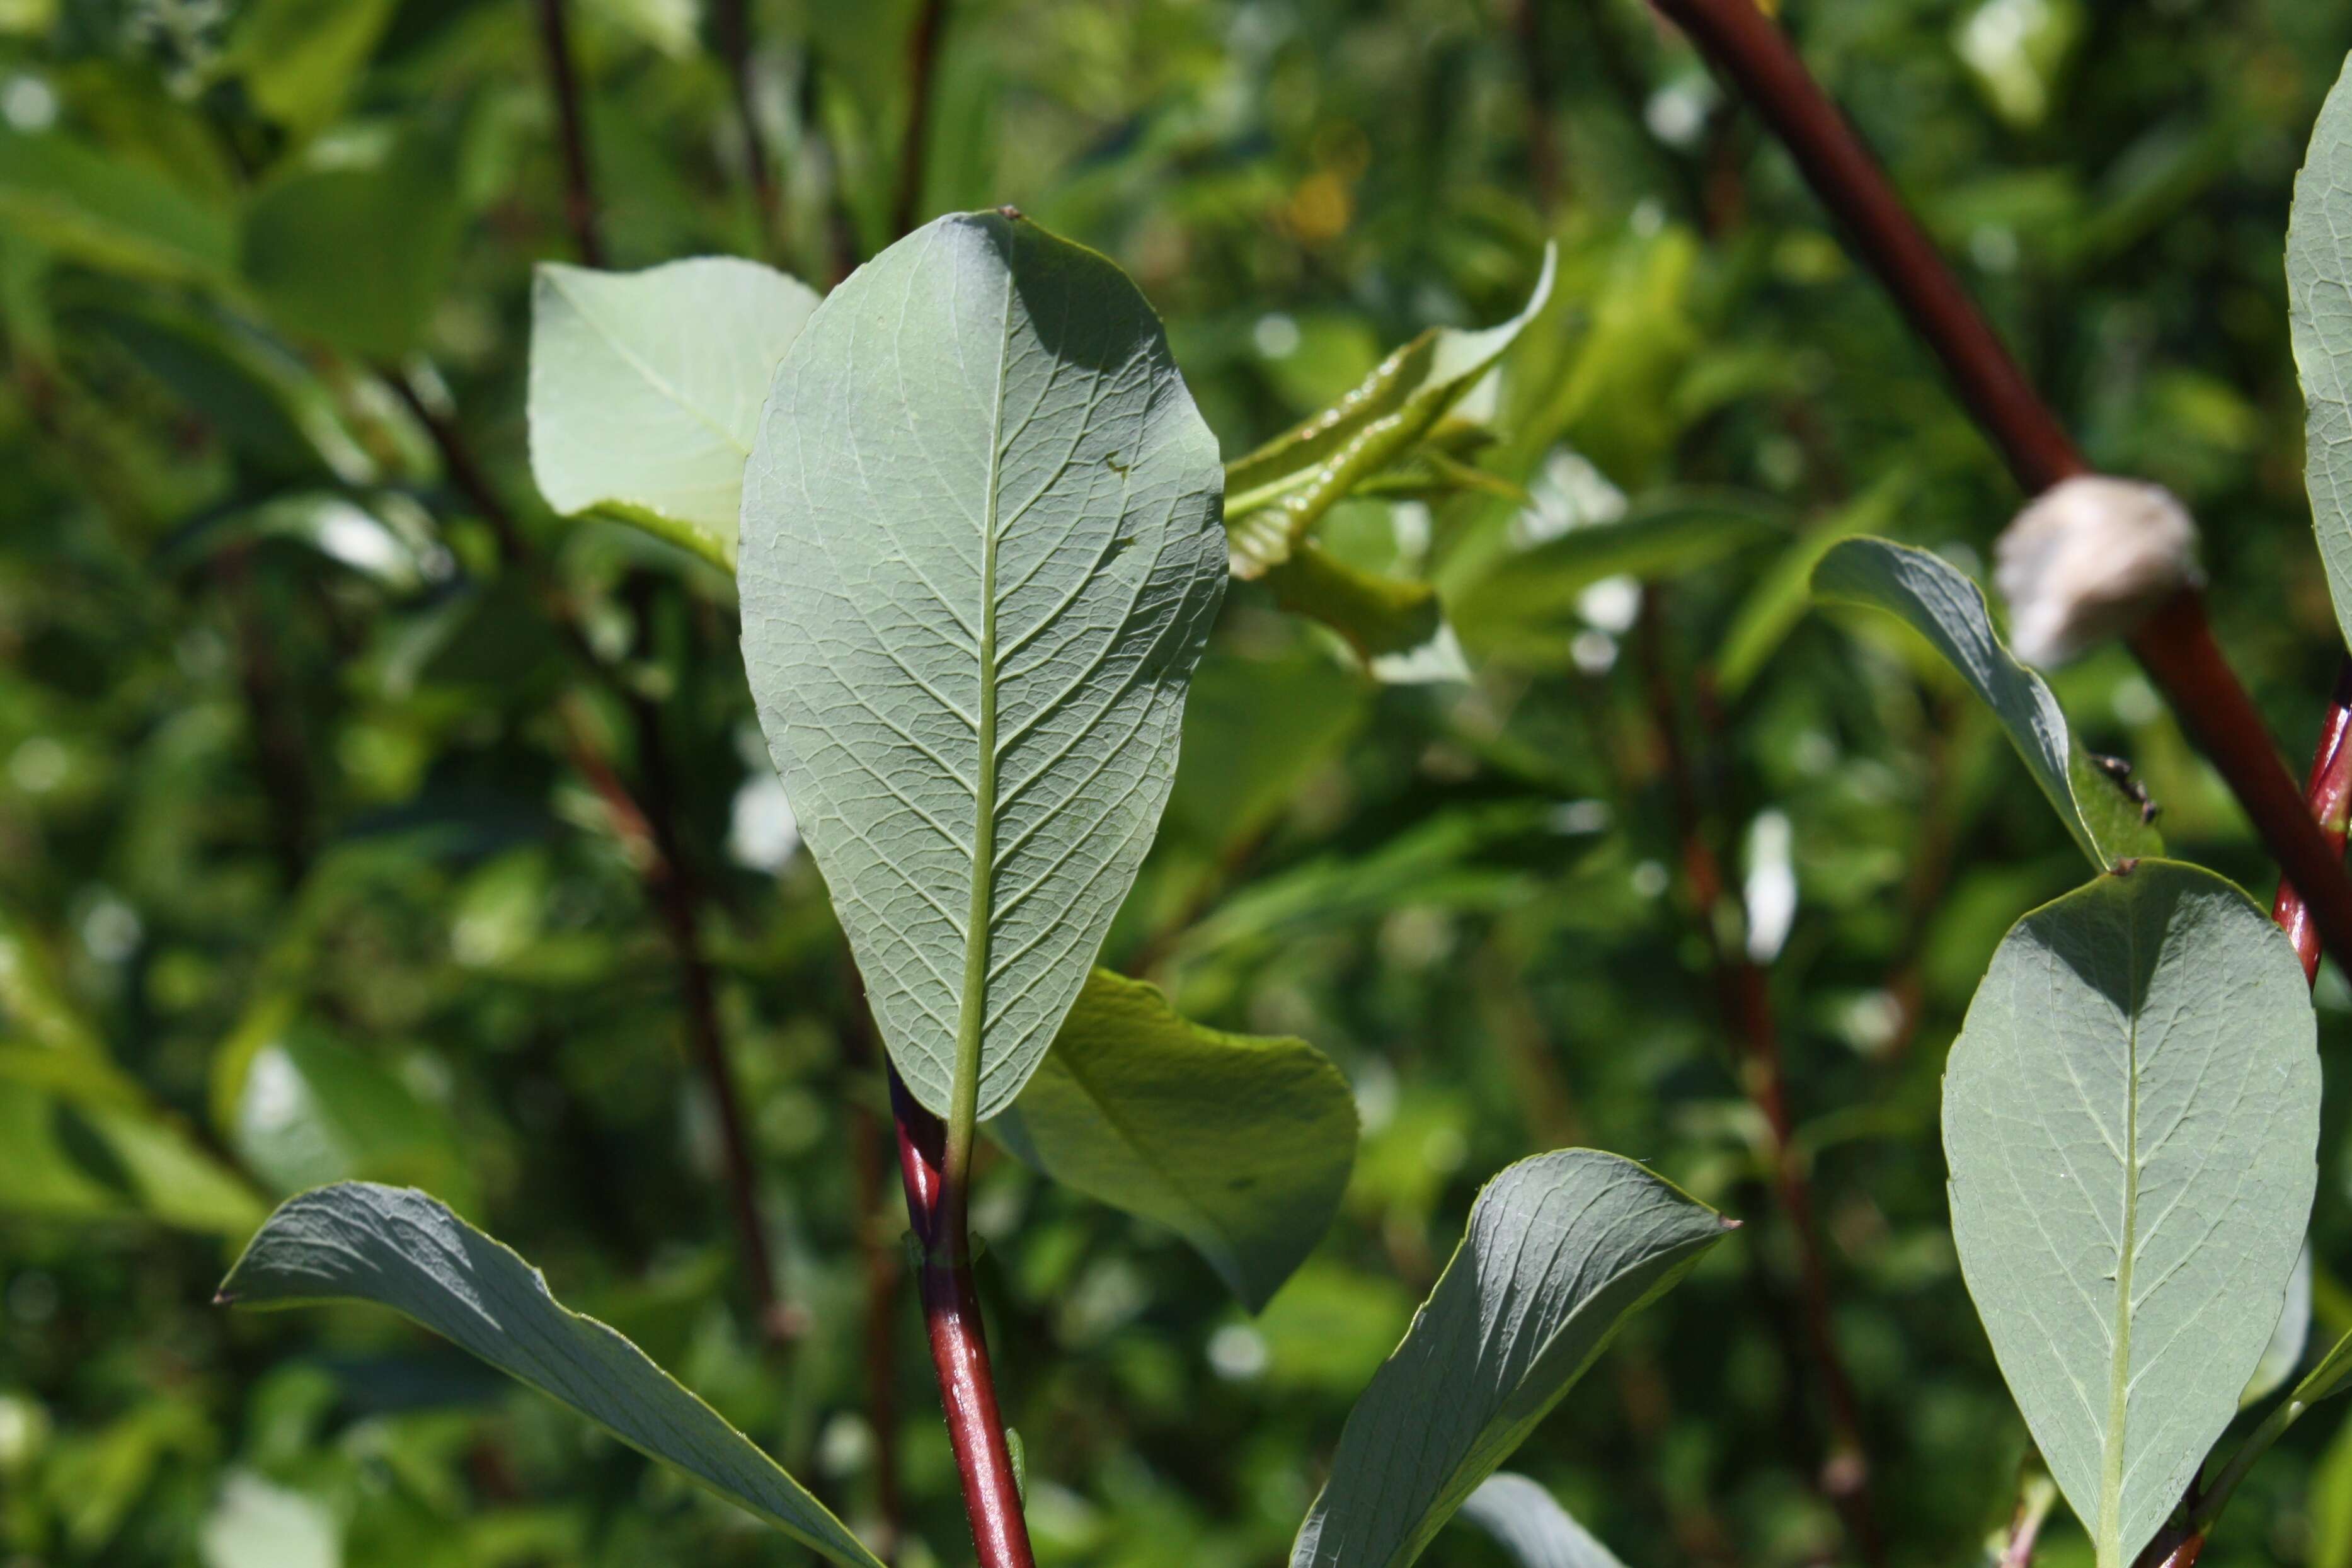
{"points": [[981, 554], [2319, 316], [1561, 1249], [2130, 1116], [397, 1247]]}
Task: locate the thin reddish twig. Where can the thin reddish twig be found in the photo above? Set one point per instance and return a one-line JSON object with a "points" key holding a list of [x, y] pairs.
{"points": [[992, 1498], [1744, 995], [2328, 793]]}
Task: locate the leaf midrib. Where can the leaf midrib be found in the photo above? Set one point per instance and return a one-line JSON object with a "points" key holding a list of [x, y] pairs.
{"points": [[2110, 1455], [972, 1009]]}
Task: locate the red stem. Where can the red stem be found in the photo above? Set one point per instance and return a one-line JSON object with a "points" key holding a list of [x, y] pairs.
{"points": [[992, 1498], [2176, 644], [2329, 795]]}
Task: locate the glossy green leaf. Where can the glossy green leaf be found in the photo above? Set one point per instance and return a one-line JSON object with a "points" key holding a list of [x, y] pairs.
{"points": [[399, 1248], [1530, 1526], [1276, 495], [1239, 1144], [980, 556], [2130, 1115], [646, 389], [1939, 602], [2319, 315], [1561, 1249]]}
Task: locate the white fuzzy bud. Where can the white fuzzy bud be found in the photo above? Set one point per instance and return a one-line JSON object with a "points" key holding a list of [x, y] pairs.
{"points": [[2087, 560]]}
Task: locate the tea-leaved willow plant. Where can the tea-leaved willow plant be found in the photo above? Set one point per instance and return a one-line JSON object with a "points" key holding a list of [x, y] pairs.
{"points": [[981, 537]]}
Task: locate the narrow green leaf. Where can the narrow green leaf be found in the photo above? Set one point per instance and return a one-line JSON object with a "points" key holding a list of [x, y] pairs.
{"points": [[1561, 1249], [646, 389], [980, 556], [2130, 1115], [1939, 602], [75, 199], [1242, 1144], [2319, 316], [1784, 592], [1524, 609], [1530, 1526], [399, 1248], [1277, 493]]}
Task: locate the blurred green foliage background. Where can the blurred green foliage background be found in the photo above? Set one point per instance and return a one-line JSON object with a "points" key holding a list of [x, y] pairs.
{"points": [[319, 740]]}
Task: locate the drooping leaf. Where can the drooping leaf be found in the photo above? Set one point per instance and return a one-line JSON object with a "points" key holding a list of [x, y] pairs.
{"points": [[1240, 1143], [2130, 1115], [1530, 1526], [1561, 1249], [1378, 615], [980, 556], [646, 389], [397, 1247], [1277, 493], [1939, 602], [2319, 315]]}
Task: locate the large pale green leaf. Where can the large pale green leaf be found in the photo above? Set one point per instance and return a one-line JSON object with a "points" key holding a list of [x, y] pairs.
{"points": [[646, 389], [1939, 602], [1561, 1249], [397, 1247], [1239, 1144], [2319, 314], [981, 555], [1529, 1524], [1277, 493], [2130, 1114]]}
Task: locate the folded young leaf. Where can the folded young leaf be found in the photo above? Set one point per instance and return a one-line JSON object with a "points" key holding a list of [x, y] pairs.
{"points": [[1239, 1144], [981, 557], [646, 389], [397, 1247], [2319, 316], [1530, 1526], [2131, 1114], [1278, 494], [1378, 615], [1939, 602], [1561, 1249]]}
